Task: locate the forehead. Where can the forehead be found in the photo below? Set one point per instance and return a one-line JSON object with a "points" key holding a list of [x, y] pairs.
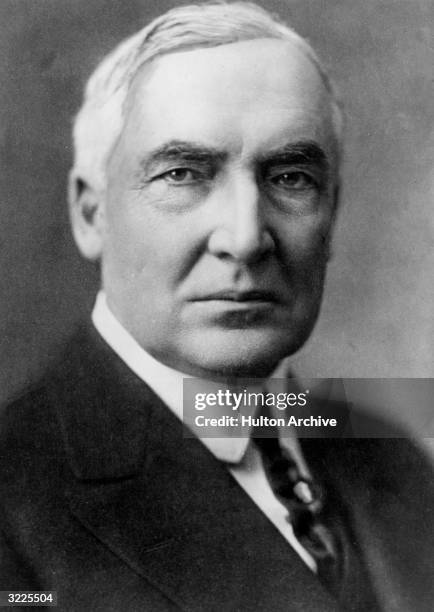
{"points": [[245, 97]]}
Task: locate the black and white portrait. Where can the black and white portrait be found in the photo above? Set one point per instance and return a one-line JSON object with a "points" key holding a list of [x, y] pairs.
{"points": [[201, 202]]}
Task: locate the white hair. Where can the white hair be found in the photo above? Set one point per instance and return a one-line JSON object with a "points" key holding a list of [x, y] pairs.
{"points": [[100, 119]]}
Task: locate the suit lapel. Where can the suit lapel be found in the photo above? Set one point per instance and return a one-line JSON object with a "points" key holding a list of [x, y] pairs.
{"points": [[164, 505]]}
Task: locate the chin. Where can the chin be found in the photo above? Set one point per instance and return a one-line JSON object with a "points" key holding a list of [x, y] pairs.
{"points": [[243, 354]]}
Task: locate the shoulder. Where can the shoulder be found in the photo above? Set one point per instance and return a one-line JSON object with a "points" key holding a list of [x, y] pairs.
{"points": [[31, 442], [32, 412], [377, 460], [71, 412]]}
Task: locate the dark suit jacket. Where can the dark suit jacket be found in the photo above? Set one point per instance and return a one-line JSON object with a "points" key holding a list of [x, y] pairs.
{"points": [[105, 501]]}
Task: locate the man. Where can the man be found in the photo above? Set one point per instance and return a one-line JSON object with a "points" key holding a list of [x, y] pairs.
{"points": [[205, 183]]}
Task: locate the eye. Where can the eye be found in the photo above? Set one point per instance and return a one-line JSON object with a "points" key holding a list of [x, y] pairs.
{"points": [[294, 180], [179, 175]]}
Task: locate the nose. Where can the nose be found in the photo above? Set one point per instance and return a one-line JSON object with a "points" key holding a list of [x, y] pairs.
{"points": [[240, 233]]}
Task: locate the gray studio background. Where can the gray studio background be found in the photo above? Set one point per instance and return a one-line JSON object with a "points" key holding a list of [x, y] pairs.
{"points": [[377, 318]]}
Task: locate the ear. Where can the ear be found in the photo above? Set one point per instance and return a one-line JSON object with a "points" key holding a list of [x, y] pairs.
{"points": [[86, 212]]}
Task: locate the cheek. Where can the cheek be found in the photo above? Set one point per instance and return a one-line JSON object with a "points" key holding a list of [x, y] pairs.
{"points": [[148, 246], [306, 256], [305, 243]]}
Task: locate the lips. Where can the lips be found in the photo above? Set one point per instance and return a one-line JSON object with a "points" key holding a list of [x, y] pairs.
{"points": [[256, 295]]}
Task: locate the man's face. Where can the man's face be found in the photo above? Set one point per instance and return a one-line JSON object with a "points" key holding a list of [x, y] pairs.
{"points": [[218, 207]]}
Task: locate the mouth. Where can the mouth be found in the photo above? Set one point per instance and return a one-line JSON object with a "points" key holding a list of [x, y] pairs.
{"points": [[241, 297], [239, 309]]}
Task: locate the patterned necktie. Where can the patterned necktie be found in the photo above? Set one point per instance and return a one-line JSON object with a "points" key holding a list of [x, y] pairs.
{"points": [[319, 527], [304, 500]]}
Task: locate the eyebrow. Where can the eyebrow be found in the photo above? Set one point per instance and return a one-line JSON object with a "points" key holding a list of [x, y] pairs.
{"points": [[184, 151], [303, 152]]}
